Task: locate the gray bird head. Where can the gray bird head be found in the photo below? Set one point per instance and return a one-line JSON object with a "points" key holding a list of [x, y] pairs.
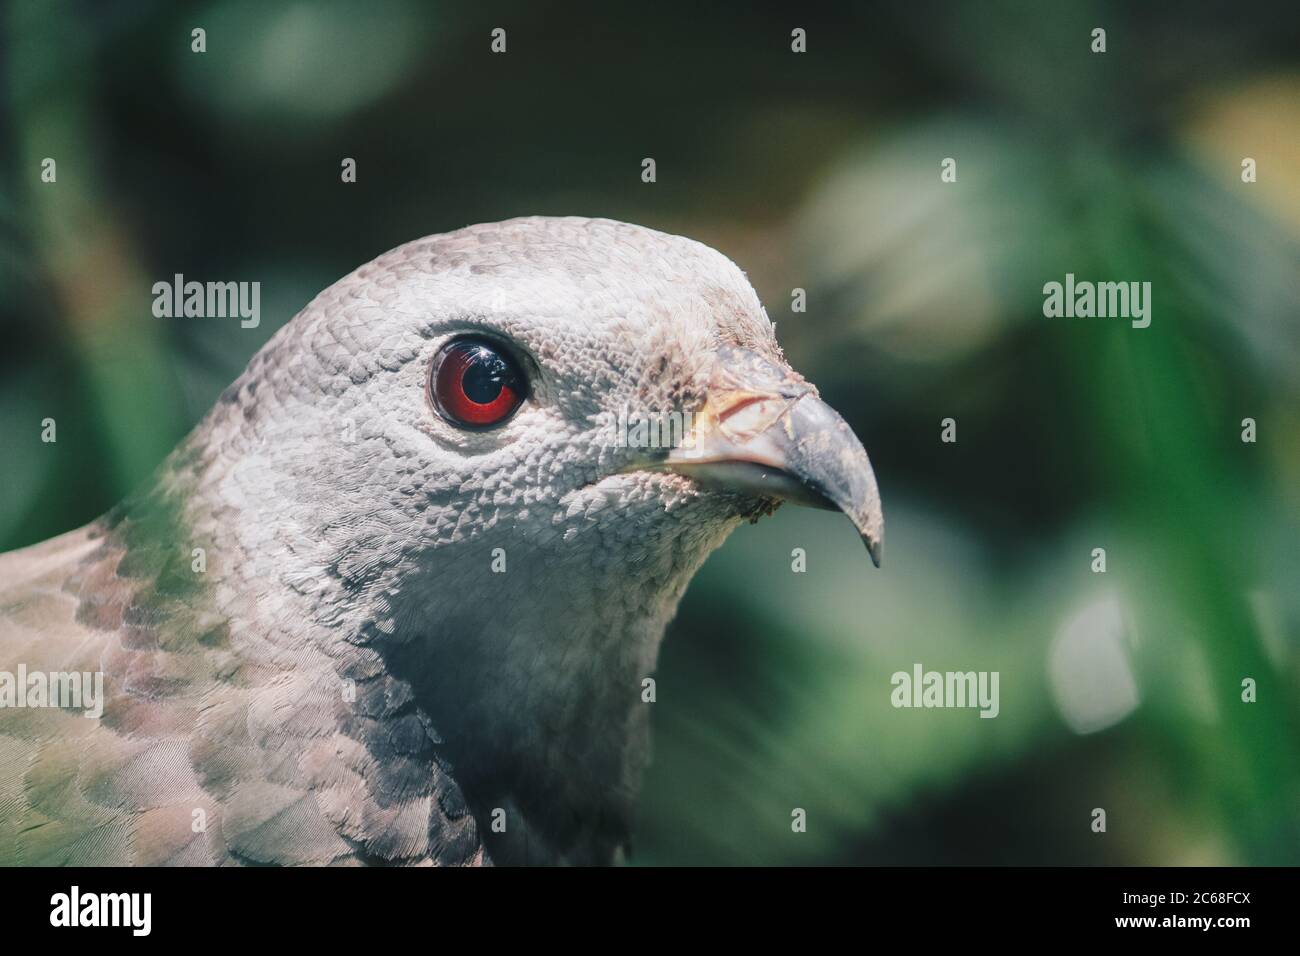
{"points": [[437, 471]]}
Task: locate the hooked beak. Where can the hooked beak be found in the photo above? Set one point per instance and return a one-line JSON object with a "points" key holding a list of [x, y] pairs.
{"points": [[764, 431]]}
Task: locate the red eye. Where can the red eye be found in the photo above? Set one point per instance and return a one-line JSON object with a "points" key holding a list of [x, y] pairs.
{"points": [[475, 384]]}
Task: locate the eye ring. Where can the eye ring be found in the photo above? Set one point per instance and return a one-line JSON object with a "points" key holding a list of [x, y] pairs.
{"points": [[475, 383]]}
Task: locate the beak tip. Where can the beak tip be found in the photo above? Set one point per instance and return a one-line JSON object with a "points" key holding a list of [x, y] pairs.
{"points": [[875, 548]]}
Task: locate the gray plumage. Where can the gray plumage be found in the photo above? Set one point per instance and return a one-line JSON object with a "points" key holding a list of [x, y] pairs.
{"points": [[345, 679]]}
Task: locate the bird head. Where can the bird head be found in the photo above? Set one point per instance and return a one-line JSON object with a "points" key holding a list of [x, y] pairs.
{"points": [[489, 462], [521, 373]]}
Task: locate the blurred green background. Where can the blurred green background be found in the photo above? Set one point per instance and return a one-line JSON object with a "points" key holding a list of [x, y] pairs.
{"points": [[819, 171]]}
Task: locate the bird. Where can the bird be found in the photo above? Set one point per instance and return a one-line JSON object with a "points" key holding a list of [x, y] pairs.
{"points": [[393, 600]]}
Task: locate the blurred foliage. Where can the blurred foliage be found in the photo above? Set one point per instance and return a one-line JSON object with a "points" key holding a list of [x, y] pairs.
{"points": [[817, 171]]}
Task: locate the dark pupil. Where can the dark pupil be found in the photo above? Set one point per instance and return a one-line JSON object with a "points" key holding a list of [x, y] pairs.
{"points": [[486, 374]]}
